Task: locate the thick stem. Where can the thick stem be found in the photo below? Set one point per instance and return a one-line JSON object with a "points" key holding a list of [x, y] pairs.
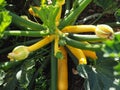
{"points": [[53, 70], [25, 23], [88, 38], [26, 33], [71, 18], [82, 45]]}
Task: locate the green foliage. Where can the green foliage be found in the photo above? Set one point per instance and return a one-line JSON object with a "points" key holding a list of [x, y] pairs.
{"points": [[2, 76], [109, 6], [2, 4], [117, 69], [99, 76], [5, 20], [117, 15], [24, 75], [111, 47], [48, 19]]}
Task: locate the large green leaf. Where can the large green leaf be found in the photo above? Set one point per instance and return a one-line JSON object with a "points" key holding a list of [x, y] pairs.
{"points": [[24, 75], [10, 81], [100, 76]]}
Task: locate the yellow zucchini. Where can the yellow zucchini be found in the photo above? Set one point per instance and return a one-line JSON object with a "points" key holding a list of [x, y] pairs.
{"points": [[41, 43], [79, 29], [78, 53], [63, 71], [91, 54]]}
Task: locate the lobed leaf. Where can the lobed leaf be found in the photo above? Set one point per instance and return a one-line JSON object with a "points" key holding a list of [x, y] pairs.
{"points": [[100, 76]]}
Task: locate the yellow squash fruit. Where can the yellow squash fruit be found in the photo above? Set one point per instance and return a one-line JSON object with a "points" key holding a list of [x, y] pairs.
{"points": [[22, 52], [41, 43], [79, 29], [63, 71], [91, 54], [78, 53]]}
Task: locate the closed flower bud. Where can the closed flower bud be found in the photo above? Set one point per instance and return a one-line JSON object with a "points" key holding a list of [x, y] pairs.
{"points": [[104, 31], [19, 53]]}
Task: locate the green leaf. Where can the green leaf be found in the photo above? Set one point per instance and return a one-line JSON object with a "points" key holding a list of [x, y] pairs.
{"points": [[117, 69], [5, 20], [10, 81], [2, 4], [9, 65], [2, 76], [109, 6], [100, 76], [111, 47], [117, 15], [24, 75], [48, 13]]}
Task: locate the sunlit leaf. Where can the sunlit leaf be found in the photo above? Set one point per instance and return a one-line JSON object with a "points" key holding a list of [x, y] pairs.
{"points": [[5, 20], [111, 47], [48, 15], [2, 4]]}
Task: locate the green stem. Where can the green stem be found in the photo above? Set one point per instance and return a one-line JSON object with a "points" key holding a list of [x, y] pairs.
{"points": [[53, 70], [26, 33], [82, 45], [88, 38], [67, 7], [25, 23], [71, 18]]}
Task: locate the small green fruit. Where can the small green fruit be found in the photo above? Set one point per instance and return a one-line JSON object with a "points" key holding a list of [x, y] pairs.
{"points": [[19, 53]]}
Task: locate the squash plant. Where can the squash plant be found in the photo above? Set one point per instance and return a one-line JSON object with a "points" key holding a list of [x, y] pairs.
{"points": [[59, 37]]}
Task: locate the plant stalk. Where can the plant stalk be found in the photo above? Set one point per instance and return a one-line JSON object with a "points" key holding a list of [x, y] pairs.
{"points": [[25, 23], [71, 18], [88, 38], [53, 69], [26, 33]]}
